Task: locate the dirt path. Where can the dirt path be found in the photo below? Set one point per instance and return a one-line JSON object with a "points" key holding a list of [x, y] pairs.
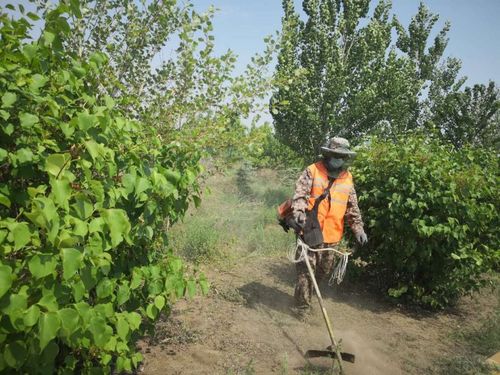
{"points": [[245, 326]]}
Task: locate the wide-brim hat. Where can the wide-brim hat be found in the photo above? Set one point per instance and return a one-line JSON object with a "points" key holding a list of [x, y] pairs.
{"points": [[337, 145]]}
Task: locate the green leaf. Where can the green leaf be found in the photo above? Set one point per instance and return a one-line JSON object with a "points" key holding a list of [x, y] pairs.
{"points": [[22, 235], [31, 316], [86, 121], [141, 185], [137, 358], [134, 320], [136, 279], [35, 191], [122, 327], [15, 354], [37, 81], [16, 308], [159, 302], [105, 309], [95, 149], [61, 189], [75, 8], [3, 154], [123, 364], [67, 128], [29, 51], [70, 320], [172, 176], [72, 261], [105, 288], [83, 206], [152, 311], [197, 201], [42, 265], [396, 293], [48, 38], [5, 115], [98, 190], [48, 326], [80, 227], [27, 120], [3, 236], [78, 290], [8, 99], [123, 294], [56, 163], [205, 286], [24, 155], [5, 279], [176, 265], [110, 103], [191, 288], [49, 302], [100, 331], [33, 16], [118, 224], [49, 354], [96, 225]]}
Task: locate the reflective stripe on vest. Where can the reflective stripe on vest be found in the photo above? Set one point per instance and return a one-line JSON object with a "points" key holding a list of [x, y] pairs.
{"points": [[330, 211]]}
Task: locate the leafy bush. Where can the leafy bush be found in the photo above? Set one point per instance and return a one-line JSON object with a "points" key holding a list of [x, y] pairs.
{"points": [[84, 196], [263, 150], [431, 216]]}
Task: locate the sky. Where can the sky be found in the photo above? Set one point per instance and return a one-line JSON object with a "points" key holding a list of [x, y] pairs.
{"points": [[241, 25], [474, 38]]}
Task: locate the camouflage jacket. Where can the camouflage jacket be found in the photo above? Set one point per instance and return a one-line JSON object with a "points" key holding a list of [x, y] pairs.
{"points": [[301, 197]]}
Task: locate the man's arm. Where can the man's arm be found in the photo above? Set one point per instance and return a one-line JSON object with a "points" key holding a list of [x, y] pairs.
{"points": [[301, 196], [353, 214]]}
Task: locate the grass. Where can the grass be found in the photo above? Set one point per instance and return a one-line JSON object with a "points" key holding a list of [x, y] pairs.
{"points": [[237, 219], [315, 370], [248, 369], [477, 344]]}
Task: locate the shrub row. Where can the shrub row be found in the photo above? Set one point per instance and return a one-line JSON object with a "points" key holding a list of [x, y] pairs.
{"points": [[431, 214], [84, 196]]}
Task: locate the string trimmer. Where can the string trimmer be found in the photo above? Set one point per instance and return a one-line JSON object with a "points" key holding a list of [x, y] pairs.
{"points": [[332, 351]]}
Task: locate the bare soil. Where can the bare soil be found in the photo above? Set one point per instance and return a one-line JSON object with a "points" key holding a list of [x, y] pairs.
{"points": [[246, 326]]}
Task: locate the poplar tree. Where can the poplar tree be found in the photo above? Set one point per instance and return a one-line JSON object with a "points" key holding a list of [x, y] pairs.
{"points": [[350, 70]]}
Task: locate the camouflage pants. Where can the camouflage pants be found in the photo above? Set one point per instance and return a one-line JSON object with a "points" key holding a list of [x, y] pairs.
{"points": [[322, 264]]}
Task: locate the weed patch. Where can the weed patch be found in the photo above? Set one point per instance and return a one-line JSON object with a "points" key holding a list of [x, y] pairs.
{"points": [[196, 241], [173, 331], [477, 345], [232, 295], [236, 220]]}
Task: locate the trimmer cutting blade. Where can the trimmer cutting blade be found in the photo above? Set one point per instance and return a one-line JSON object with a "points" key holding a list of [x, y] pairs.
{"points": [[329, 352]]}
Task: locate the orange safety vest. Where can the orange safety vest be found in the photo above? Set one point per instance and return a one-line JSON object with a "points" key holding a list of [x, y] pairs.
{"points": [[330, 211]]}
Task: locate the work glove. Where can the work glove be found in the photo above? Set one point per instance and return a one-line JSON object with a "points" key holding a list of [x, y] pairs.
{"points": [[361, 237], [295, 224]]}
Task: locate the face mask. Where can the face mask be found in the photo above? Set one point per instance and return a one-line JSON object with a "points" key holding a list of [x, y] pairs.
{"points": [[333, 164]]}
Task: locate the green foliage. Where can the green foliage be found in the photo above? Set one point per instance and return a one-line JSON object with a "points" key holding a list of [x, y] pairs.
{"points": [[85, 194], [431, 216], [263, 150], [469, 117], [342, 72], [164, 70]]}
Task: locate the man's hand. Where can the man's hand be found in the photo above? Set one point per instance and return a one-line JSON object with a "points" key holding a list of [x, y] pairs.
{"points": [[295, 224], [361, 237]]}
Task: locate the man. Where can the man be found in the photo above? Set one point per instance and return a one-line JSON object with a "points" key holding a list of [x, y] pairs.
{"points": [[340, 202]]}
